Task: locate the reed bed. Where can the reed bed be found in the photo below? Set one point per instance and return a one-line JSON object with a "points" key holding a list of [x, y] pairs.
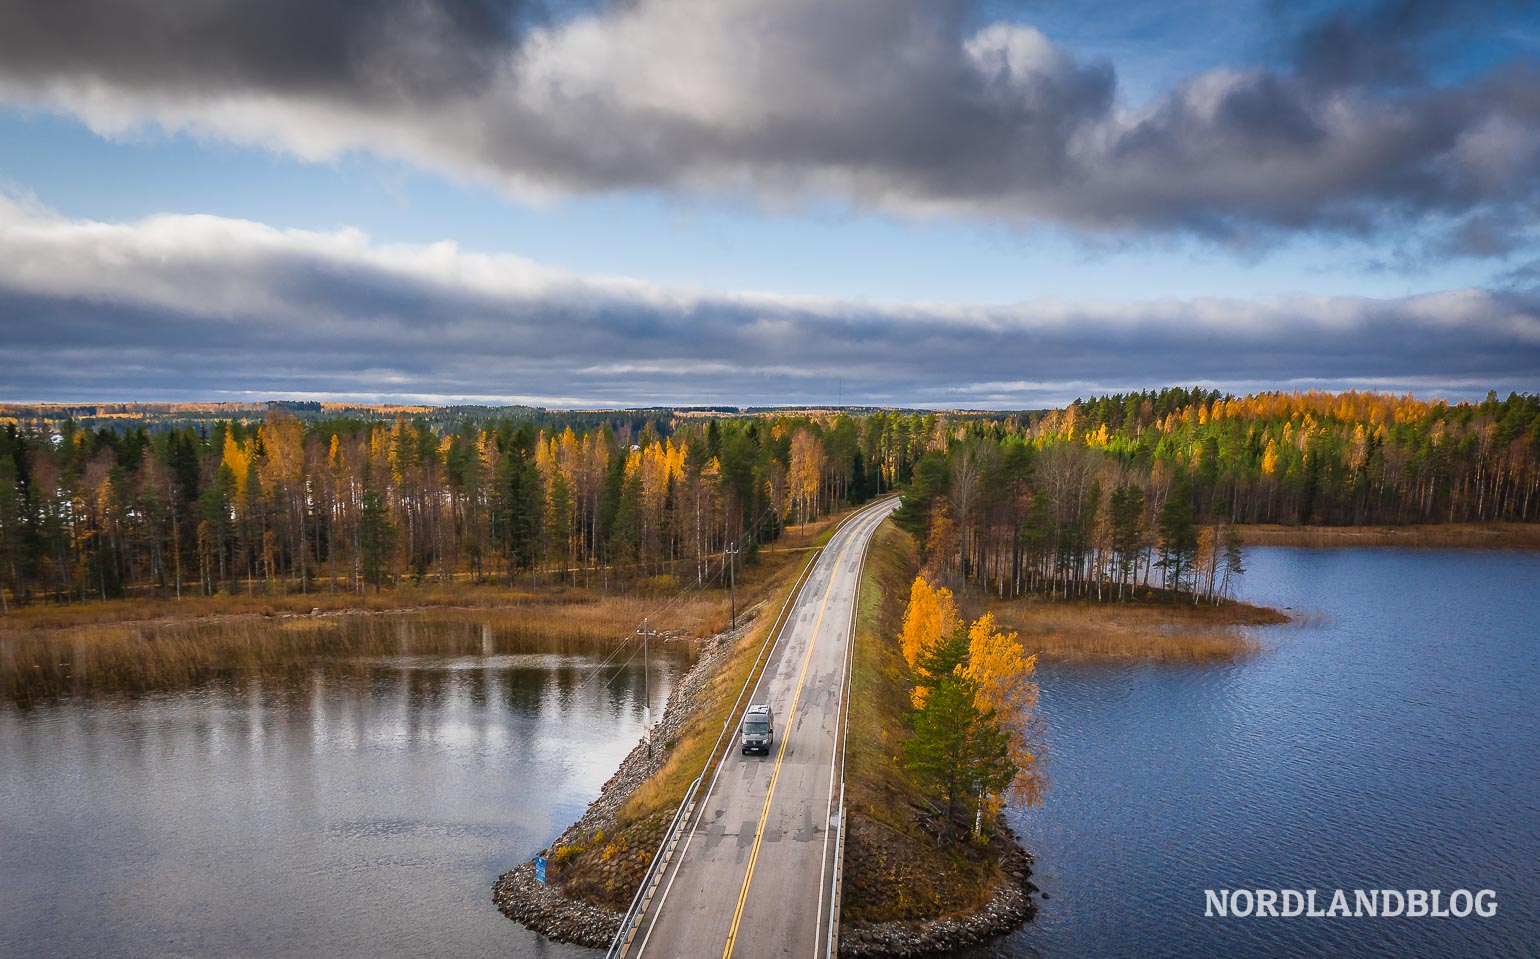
{"points": [[146, 643], [133, 659], [1157, 630]]}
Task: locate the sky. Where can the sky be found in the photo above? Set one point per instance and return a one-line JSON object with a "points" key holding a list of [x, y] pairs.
{"points": [[936, 203]]}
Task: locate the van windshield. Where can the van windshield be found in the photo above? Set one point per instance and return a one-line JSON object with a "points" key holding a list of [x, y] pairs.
{"points": [[756, 729]]}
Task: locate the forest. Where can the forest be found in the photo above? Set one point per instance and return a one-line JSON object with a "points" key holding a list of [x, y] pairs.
{"points": [[1085, 500], [283, 505], [1144, 489]]}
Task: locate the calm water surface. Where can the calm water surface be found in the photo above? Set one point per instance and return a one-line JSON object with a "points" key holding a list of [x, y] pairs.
{"points": [[347, 811], [360, 809], [1391, 743]]}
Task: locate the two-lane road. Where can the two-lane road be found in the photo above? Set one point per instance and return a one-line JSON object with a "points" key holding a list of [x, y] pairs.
{"points": [[753, 873]]}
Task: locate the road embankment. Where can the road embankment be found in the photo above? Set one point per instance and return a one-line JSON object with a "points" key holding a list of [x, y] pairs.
{"points": [[586, 908], [907, 893], [597, 863]]}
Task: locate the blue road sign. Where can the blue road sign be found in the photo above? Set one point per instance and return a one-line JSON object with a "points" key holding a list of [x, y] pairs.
{"points": [[540, 869]]}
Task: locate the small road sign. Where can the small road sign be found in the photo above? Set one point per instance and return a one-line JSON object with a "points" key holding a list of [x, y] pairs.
{"points": [[540, 869]]}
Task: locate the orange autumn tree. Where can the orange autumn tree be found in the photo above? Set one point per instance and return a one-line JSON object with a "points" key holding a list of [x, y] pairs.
{"points": [[930, 615]]}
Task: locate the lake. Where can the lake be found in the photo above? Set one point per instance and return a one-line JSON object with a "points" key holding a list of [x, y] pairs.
{"points": [[361, 807], [1389, 742]]}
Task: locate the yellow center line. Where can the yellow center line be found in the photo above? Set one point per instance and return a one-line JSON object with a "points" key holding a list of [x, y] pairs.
{"points": [[764, 814]]}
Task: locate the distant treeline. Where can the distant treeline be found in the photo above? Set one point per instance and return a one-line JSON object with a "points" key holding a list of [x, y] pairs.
{"points": [[1140, 487], [1071, 500], [335, 503], [161, 417]]}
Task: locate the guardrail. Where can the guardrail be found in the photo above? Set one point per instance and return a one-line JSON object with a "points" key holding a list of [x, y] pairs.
{"points": [[621, 944], [660, 861]]}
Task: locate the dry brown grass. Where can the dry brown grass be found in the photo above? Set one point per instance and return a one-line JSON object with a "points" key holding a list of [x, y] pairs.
{"points": [[159, 656], [1149, 629], [696, 613], [152, 643], [1441, 536], [699, 615], [894, 869]]}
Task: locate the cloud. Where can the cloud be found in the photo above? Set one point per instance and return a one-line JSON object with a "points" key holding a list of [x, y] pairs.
{"points": [[903, 106], [201, 307]]}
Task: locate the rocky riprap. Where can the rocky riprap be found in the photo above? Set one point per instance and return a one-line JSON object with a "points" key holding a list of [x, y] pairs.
{"points": [[543, 907], [1007, 910]]}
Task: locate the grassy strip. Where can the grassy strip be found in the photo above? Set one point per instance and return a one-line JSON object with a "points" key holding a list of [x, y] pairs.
{"points": [[894, 869], [36, 668], [1442, 536]]}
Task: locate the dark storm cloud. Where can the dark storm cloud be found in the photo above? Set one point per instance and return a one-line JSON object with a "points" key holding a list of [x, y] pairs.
{"points": [[219, 307], [1381, 44], [906, 106], [354, 49]]}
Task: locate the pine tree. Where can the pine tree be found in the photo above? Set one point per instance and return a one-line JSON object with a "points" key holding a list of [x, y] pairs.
{"points": [[958, 749], [1178, 539], [377, 538]]}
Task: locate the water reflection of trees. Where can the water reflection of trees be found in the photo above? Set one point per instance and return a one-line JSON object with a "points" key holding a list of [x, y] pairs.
{"points": [[417, 655]]}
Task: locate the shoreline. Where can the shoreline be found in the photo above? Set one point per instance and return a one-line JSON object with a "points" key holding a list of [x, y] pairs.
{"points": [[1412, 536], [1008, 909], [42, 616], [545, 907], [587, 906]]}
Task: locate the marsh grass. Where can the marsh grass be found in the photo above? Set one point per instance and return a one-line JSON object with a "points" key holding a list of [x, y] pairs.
{"points": [[1152, 629], [141, 644], [165, 656]]}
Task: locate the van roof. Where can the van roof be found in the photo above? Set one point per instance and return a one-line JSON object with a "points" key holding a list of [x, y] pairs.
{"points": [[760, 708]]}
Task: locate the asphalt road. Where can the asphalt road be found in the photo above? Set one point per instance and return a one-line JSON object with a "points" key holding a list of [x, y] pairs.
{"points": [[755, 861]]}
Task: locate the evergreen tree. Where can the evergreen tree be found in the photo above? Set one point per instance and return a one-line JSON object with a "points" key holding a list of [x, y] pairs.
{"points": [[377, 538], [1178, 539], [958, 750]]}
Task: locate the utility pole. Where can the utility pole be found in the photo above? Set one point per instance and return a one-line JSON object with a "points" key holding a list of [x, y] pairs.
{"points": [[646, 688], [731, 556]]}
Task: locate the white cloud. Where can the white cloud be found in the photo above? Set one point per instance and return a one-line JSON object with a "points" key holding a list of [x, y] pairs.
{"points": [[213, 305]]}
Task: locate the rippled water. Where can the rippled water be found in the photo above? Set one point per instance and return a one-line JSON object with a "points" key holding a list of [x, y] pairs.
{"points": [[355, 809], [1391, 743]]}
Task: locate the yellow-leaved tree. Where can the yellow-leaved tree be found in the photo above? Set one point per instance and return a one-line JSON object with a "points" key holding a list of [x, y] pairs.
{"points": [[1003, 673], [930, 616]]}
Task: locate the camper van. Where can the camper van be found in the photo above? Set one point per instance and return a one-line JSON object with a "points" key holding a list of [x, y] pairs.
{"points": [[758, 729]]}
